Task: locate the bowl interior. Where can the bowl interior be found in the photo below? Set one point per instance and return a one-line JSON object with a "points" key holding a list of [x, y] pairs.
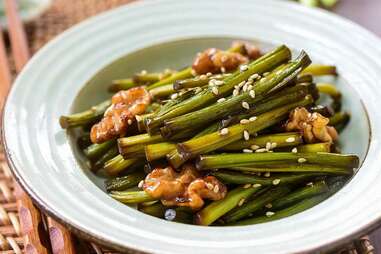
{"points": [[180, 53]]}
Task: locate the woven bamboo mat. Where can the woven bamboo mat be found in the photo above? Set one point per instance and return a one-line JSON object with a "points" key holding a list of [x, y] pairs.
{"points": [[60, 16]]}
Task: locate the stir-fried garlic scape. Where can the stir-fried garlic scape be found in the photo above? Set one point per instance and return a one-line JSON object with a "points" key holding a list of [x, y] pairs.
{"points": [[239, 138]]}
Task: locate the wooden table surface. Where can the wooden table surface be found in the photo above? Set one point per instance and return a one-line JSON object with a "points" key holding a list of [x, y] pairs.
{"points": [[368, 14]]}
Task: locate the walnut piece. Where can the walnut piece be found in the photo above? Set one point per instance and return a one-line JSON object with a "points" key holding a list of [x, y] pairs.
{"points": [[186, 188], [212, 60], [249, 50], [313, 126], [125, 105]]}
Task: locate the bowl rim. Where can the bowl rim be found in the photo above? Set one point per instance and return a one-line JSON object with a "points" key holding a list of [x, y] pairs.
{"points": [[83, 231]]}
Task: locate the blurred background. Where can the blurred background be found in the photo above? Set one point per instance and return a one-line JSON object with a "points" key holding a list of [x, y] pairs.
{"points": [[364, 12]]}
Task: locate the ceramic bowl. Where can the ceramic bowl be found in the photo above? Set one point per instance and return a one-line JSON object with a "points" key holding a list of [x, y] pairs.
{"points": [[73, 71]]}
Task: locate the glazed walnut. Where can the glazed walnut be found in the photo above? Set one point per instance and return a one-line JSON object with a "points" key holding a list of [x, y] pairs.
{"points": [[186, 188], [313, 126], [248, 49], [212, 60], [125, 105]]}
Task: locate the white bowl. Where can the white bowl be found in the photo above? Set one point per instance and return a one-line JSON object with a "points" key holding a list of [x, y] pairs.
{"points": [[157, 34]]}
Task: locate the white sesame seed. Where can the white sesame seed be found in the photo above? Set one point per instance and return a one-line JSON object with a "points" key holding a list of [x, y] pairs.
{"points": [[216, 189], [235, 92], [129, 121], [209, 186], [276, 181], [240, 203], [248, 83], [211, 82], [223, 70], [255, 147], [198, 89], [224, 131], [261, 150], [245, 105], [279, 72], [203, 77], [244, 121], [174, 96], [247, 150], [246, 135], [268, 146], [244, 88], [290, 140], [215, 90], [252, 119], [257, 185], [302, 160], [246, 186], [294, 150], [267, 174], [252, 94], [269, 214], [310, 184], [254, 76], [243, 67], [269, 205], [241, 84], [218, 82], [170, 214], [184, 91], [221, 100], [209, 74], [250, 87], [274, 145], [266, 74], [140, 184]]}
